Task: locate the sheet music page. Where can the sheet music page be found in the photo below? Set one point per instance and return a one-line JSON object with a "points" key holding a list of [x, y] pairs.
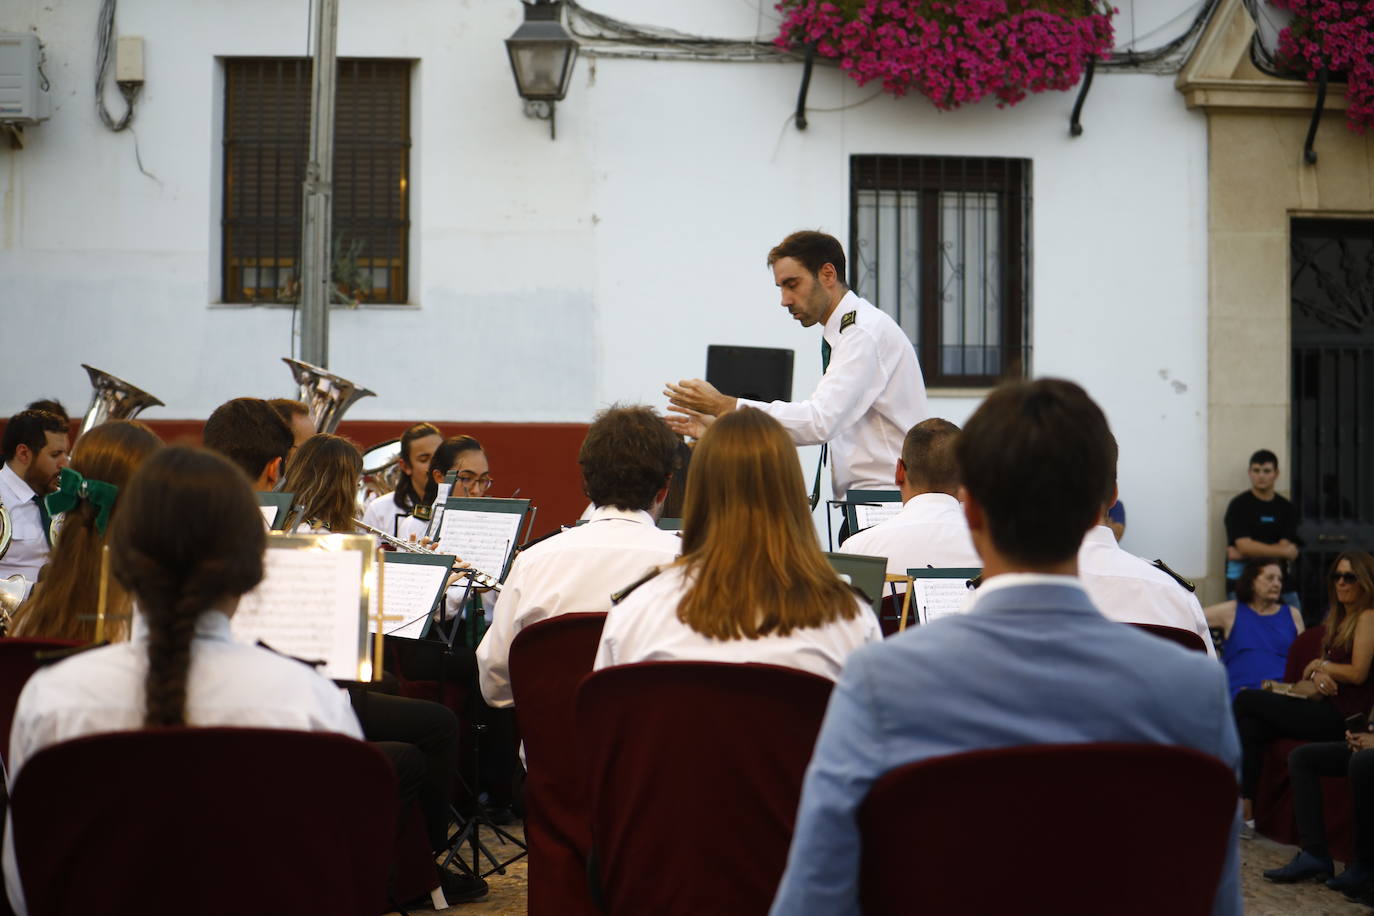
{"points": [[307, 606], [936, 598], [481, 539], [408, 592], [269, 514], [868, 516]]}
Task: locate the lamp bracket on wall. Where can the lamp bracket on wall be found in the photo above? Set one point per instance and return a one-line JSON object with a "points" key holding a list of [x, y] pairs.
{"points": [[808, 63], [1309, 155], [544, 111], [1075, 125]]}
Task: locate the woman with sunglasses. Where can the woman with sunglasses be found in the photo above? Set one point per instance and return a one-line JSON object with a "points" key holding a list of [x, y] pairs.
{"points": [[1334, 686]]}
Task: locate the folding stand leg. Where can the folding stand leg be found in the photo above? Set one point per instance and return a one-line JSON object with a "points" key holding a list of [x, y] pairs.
{"points": [[471, 831]]}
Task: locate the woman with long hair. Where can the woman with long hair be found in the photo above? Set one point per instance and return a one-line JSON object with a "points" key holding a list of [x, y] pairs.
{"points": [[186, 544], [63, 604], [752, 584], [465, 456], [418, 444], [1334, 686], [1258, 627], [323, 478]]}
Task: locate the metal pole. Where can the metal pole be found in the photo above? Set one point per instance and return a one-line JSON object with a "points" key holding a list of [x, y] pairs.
{"points": [[317, 210]]}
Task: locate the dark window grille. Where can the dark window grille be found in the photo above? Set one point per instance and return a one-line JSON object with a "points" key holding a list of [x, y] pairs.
{"points": [[943, 246], [266, 142]]}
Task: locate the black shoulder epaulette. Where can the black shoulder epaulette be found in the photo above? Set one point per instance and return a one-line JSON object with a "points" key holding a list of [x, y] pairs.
{"points": [[1164, 568], [617, 597], [539, 540], [309, 664], [52, 656]]}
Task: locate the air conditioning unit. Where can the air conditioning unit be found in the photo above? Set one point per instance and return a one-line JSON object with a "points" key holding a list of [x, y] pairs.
{"points": [[23, 98]]}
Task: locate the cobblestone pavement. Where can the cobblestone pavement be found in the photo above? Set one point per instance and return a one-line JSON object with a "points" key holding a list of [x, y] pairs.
{"points": [[1265, 898]]}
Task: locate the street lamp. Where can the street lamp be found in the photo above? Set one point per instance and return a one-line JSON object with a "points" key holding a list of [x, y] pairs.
{"points": [[542, 53]]}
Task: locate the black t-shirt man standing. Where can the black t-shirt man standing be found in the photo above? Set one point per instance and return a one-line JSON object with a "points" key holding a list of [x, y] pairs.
{"points": [[1262, 524]]}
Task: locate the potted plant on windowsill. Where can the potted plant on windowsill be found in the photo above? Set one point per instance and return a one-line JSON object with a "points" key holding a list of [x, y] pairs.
{"points": [[954, 52]]}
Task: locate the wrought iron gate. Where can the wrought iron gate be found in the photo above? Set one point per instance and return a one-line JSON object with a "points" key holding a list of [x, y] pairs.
{"points": [[1332, 288]]}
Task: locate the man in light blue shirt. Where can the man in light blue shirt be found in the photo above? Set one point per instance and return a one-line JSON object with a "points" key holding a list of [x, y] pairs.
{"points": [[1032, 662]]}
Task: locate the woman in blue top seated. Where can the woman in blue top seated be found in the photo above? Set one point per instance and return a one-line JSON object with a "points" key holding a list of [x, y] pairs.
{"points": [[1258, 627]]}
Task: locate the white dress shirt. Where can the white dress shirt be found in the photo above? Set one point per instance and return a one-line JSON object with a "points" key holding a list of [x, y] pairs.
{"points": [[930, 530], [645, 628], [382, 513], [870, 395], [230, 683], [573, 572], [28, 546], [1126, 588]]}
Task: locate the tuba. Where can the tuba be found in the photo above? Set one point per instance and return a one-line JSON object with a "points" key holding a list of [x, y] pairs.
{"points": [[326, 394], [12, 593], [113, 399]]}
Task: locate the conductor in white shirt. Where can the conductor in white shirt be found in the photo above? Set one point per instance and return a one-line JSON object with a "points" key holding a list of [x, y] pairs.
{"points": [[872, 390], [627, 460], [930, 530], [35, 448]]}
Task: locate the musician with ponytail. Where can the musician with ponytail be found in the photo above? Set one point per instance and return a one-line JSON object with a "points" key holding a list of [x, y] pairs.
{"points": [[418, 444]]}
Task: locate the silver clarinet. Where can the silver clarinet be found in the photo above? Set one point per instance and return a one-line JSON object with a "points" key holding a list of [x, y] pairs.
{"points": [[479, 578]]}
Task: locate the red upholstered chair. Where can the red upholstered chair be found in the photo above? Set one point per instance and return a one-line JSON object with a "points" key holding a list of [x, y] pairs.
{"points": [[547, 662], [1185, 638], [1274, 815], [1026, 830], [18, 662], [695, 770], [210, 820]]}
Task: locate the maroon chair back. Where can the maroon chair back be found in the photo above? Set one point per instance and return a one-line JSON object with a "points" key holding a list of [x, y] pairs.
{"points": [[206, 820], [547, 662], [695, 770], [1038, 817], [1306, 647], [18, 662], [1185, 638]]}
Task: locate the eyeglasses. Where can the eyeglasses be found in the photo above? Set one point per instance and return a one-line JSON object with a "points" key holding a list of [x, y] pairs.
{"points": [[1345, 578], [472, 480]]}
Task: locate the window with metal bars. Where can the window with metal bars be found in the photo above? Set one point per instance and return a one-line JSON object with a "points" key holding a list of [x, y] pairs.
{"points": [[942, 245], [266, 143]]}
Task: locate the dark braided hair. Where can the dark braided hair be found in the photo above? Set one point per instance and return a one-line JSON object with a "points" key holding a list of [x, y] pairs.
{"points": [[406, 497], [188, 536]]}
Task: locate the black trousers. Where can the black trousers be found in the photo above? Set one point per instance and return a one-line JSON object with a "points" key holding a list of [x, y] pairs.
{"points": [[1262, 717], [1306, 766], [432, 730]]}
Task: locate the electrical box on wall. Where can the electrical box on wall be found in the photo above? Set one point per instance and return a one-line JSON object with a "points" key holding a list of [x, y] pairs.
{"points": [[23, 96]]}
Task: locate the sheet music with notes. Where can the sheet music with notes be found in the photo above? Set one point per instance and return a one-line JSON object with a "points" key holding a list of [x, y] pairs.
{"points": [[269, 514], [411, 585], [868, 516], [309, 605], [483, 540], [936, 598]]}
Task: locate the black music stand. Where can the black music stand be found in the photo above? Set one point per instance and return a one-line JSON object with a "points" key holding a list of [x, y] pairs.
{"points": [[470, 827]]}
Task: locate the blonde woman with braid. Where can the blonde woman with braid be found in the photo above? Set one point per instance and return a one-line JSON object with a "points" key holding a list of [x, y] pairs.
{"points": [[187, 543]]}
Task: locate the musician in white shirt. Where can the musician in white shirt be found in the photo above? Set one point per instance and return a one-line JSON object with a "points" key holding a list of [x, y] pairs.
{"points": [[627, 460], [1132, 590], [251, 434], [34, 448], [872, 391], [930, 530], [418, 444], [752, 584]]}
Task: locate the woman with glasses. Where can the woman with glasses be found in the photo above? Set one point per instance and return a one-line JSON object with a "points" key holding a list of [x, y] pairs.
{"points": [[462, 454], [1335, 686]]}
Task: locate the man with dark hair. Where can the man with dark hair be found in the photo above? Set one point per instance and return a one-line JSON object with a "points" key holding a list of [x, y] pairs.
{"points": [[1032, 661], [1131, 590], [1261, 524], [871, 391], [930, 530], [34, 449], [250, 433], [51, 405], [627, 460]]}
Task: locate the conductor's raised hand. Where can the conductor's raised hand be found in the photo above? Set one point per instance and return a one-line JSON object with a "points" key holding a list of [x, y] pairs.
{"points": [[688, 423], [699, 395]]}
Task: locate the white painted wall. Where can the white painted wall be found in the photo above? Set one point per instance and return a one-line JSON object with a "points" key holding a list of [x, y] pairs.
{"points": [[572, 273]]}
